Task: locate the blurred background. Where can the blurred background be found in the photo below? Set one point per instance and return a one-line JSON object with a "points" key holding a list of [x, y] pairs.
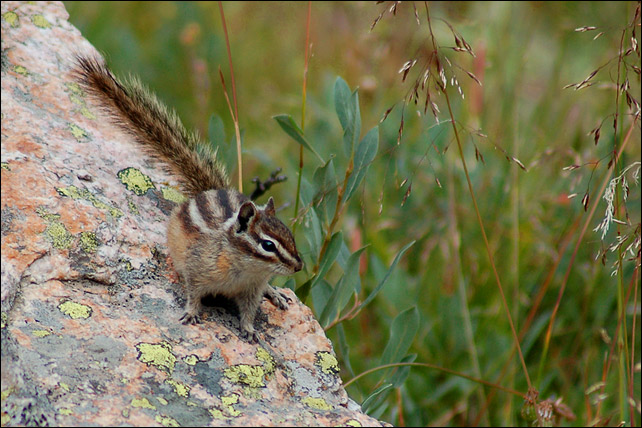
{"points": [[539, 231]]}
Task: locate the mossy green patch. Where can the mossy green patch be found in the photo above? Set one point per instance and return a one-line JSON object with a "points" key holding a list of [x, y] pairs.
{"points": [[88, 242], [40, 21], [173, 195], [180, 388], [246, 374], [316, 403], [74, 192], [41, 333], [78, 133], [167, 421], [75, 310], [327, 362], [135, 181], [11, 18], [157, 354], [142, 403]]}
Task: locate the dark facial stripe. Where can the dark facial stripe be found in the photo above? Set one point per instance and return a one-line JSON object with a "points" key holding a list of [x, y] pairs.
{"points": [[278, 254], [186, 220], [248, 248], [203, 205], [224, 202]]}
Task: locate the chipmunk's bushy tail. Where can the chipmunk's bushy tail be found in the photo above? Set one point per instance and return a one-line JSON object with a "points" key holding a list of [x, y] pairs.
{"points": [[158, 129]]}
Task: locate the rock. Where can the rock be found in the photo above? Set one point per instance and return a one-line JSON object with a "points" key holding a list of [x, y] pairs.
{"points": [[90, 306]]}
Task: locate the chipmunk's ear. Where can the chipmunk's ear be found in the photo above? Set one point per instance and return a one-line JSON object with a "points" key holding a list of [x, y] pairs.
{"points": [[246, 213], [269, 207]]}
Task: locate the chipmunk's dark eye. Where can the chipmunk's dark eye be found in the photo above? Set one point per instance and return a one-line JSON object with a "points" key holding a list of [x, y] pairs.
{"points": [[268, 245]]}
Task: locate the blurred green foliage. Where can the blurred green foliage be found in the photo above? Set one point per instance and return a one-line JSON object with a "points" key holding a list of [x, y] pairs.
{"points": [[415, 189]]}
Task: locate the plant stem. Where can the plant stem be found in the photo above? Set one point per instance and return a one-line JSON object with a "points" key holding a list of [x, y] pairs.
{"points": [[235, 116]]}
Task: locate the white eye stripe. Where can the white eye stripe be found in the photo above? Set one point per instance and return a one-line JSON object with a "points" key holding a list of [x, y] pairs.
{"points": [[196, 217], [281, 250]]}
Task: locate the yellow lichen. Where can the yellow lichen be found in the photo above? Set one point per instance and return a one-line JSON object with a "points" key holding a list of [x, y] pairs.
{"points": [[20, 70], [5, 166], [3, 320], [316, 403], [58, 234], [191, 360], [167, 421], [142, 403], [65, 411], [162, 401], [75, 89], [217, 414], [267, 360], [179, 387], [41, 333], [87, 113], [157, 354], [78, 133], [88, 242], [353, 423], [228, 401], [135, 181], [75, 310], [11, 18], [173, 195], [74, 192], [132, 207], [40, 21], [64, 386], [246, 374], [327, 362]]}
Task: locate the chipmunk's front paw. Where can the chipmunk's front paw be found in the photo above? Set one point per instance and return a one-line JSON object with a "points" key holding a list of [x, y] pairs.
{"points": [[277, 297], [188, 318], [249, 335]]}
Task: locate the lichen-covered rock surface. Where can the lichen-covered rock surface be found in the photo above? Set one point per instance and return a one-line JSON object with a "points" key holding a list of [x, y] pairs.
{"points": [[90, 307]]}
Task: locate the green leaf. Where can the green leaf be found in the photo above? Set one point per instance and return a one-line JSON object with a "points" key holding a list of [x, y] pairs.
{"points": [[365, 154], [346, 104], [400, 376], [320, 293], [216, 130], [331, 253], [326, 196], [342, 290], [385, 278], [402, 332], [304, 290], [313, 233], [292, 129], [344, 350], [370, 399]]}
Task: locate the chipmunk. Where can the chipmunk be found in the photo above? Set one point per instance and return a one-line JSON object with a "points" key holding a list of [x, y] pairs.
{"points": [[220, 241]]}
